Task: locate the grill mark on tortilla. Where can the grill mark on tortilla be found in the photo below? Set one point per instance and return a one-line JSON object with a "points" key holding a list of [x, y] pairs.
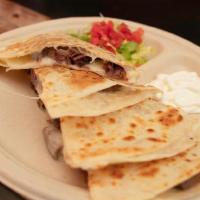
{"points": [[116, 173], [86, 153], [83, 79], [81, 125], [151, 172], [112, 120], [133, 125], [156, 140], [92, 120], [150, 130], [180, 118], [188, 160], [88, 144], [128, 138], [99, 133], [170, 117]]}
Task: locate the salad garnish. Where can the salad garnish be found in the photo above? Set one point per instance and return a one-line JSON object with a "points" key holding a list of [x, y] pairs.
{"points": [[118, 39]]}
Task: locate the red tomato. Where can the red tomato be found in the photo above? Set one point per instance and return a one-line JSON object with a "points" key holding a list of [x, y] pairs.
{"points": [[125, 31], [137, 35], [104, 35]]}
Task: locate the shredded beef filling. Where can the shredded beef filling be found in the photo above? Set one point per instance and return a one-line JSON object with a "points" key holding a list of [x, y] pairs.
{"points": [[73, 56], [114, 71], [35, 83], [68, 55], [41, 105], [53, 140], [52, 133]]}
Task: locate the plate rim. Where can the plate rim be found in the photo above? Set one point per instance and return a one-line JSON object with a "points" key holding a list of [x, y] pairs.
{"points": [[9, 162]]}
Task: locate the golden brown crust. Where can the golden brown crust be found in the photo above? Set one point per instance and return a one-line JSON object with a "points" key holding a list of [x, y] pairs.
{"points": [[79, 79], [37, 43]]}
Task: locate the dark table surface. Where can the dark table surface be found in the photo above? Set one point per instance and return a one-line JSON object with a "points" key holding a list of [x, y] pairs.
{"points": [[178, 16], [181, 17]]}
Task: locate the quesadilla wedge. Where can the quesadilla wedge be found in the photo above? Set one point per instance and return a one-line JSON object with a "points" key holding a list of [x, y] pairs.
{"points": [[146, 131], [66, 92], [102, 102], [62, 49], [58, 84], [175, 193], [145, 180]]}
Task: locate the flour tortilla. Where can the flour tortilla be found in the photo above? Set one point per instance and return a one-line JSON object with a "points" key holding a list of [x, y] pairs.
{"points": [[20, 54], [191, 193], [66, 92], [146, 180], [58, 84], [102, 102], [146, 131]]}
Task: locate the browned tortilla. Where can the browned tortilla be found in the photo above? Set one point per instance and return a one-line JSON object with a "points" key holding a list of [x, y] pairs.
{"points": [[146, 131], [21, 54]]}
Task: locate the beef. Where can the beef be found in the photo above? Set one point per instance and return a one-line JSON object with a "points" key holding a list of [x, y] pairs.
{"points": [[35, 83], [74, 56], [49, 52], [114, 71], [41, 105], [53, 140], [56, 123], [67, 55], [189, 183], [61, 55]]}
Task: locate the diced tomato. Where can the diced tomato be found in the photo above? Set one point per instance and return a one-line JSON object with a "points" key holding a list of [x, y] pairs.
{"points": [[123, 28], [109, 47], [137, 35], [104, 34], [125, 31], [94, 40], [116, 39]]}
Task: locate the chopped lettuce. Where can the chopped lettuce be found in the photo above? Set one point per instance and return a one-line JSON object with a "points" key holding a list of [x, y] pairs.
{"points": [[127, 49], [135, 53], [82, 36], [142, 54]]}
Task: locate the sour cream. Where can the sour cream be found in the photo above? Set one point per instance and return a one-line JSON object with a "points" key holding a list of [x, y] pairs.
{"points": [[180, 89]]}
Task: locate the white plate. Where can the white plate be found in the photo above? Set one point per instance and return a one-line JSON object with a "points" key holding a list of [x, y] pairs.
{"points": [[25, 164]]}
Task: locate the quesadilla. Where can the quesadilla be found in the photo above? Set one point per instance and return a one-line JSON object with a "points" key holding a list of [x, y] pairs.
{"points": [[144, 181], [191, 192], [66, 92], [58, 84], [63, 49], [146, 131]]}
